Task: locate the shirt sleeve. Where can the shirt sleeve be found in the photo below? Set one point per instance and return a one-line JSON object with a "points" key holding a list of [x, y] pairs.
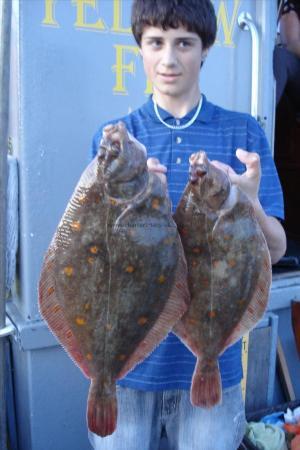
{"points": [[270, 192]]}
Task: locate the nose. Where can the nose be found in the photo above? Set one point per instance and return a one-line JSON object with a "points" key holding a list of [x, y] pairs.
{"points": [[169, 56]]}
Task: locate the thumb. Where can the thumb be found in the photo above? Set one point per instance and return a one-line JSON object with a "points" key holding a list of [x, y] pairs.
{"points": [[155, 166], [251, 161]]}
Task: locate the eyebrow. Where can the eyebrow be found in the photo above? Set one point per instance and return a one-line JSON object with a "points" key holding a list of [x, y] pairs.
{"points": [[181, 38]]}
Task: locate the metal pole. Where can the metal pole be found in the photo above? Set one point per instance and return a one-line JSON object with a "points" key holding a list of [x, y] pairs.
{"points": [[5, 21]]}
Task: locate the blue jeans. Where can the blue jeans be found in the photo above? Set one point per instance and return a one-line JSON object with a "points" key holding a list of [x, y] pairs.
{"points": [[143, 416]]}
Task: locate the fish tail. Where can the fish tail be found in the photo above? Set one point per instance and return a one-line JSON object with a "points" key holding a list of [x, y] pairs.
{"points": [[101, 410], [206, 383]]}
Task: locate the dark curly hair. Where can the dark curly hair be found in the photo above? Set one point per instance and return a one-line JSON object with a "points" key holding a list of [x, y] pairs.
{"points": [[197, 16]]}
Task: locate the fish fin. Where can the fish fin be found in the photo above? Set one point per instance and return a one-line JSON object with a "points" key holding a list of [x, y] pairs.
{"points": [[181, 331], [101, 411], [257, 305], [171, 314], [53, 314], [206, 384]]}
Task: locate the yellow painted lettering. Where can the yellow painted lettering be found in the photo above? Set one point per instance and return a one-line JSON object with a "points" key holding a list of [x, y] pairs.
{"points": [[148, 89], [227, 25], [49, 18], [121, 68], [117, 18], [81, 21]]}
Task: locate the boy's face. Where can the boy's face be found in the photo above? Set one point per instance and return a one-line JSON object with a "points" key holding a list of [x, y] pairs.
{"points": [[172, 60]]}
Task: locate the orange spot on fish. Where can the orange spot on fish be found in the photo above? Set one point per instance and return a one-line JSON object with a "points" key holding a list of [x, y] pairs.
{"points": [[80, 321], [232, 262], [108, 326], [142, 320], [82, 199], [192, 321], [91, 260], [94, 249], [226, 237], [76, 225], [121, 357], [161, 279], [87, 306], [89, 356], [56, 308], [241, 301], [113, 201], [194, 263], [69, 334], [50, 290], [155, 203], [212, 314], [68, 271], [197, 250], [129, 269]]}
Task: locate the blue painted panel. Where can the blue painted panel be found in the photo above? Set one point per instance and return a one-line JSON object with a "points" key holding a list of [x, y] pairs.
{"points": [[50, 401]]}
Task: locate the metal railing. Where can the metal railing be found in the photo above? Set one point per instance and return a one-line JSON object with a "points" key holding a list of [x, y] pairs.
{"points": [[246, 23]]}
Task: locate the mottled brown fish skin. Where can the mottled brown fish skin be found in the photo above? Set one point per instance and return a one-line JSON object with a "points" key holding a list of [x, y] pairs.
{"points": [[226, 253], [110, 269]]}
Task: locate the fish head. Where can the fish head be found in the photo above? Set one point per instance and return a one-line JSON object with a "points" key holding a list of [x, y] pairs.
{"points": [[210, 185], [121, 157]]}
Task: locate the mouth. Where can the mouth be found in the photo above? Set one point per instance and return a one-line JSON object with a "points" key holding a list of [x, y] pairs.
{"points": [[197, 173], [169, 76]]}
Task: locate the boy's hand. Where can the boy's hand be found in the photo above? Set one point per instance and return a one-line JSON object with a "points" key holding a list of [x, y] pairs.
{"points": [[249, 181], [155, 166]]}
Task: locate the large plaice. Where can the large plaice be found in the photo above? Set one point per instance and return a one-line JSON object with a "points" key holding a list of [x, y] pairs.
{"points": [[229, 271], [113, 281]]}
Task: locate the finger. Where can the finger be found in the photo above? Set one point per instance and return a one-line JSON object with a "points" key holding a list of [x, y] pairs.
{"points": [[155, 166], [251, 161]]}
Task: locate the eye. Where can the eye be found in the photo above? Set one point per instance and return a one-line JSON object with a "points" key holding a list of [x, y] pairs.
{"points": [[156, 43], [184, 44]]}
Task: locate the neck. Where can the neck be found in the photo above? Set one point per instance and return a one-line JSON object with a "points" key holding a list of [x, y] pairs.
{"points": [[177, 106]]}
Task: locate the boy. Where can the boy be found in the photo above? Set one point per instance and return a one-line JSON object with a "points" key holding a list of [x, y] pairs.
{"points": [[174, 37]]}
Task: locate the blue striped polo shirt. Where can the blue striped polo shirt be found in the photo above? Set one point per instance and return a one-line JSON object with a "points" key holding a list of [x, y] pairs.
{"points": [[219, 132]]}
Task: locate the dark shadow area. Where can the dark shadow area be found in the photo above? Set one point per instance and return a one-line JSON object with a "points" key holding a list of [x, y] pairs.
{"points": [[287, 159]]}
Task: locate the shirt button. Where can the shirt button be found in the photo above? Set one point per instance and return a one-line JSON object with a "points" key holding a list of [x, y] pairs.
{"points": [[178, 140], [177, 122]]}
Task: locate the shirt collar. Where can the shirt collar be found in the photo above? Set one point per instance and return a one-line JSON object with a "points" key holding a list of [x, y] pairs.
{"points": [[205, 114]]}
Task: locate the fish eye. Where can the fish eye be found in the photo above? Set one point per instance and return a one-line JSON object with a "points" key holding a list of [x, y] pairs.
{"points": [[101, 151]]}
